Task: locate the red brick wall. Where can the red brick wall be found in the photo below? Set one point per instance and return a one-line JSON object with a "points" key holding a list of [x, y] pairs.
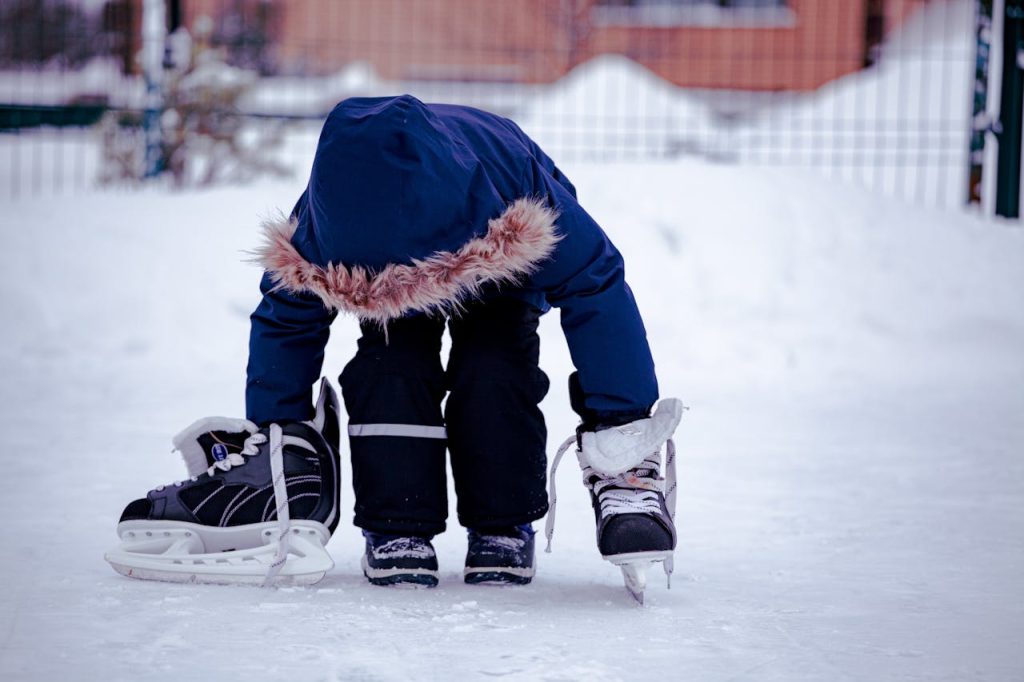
{"points": [[825, 40], [537, 41], [513, 40]]}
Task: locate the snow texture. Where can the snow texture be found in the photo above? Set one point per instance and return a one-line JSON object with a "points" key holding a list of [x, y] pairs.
{"points": [[851, 469], [402, 547]]}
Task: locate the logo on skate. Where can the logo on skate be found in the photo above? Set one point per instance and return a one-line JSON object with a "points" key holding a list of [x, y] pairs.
{"points": [[219, 451]]}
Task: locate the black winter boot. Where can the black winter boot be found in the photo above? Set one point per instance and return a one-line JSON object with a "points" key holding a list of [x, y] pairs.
{"points": [[399, 560], [500, 556]]}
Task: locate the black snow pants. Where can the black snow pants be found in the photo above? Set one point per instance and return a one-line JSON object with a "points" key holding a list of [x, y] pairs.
{"points": [[393, 389]]}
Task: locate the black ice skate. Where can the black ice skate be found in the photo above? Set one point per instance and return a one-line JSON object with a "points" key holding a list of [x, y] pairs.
{"points": [[634, 506], [500, 556], [259, 507], [399, 560]]}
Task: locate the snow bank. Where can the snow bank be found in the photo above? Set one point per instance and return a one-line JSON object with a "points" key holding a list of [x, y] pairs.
{"points": [[53, 86], [313, 96], [610, 105], [901, 127]]}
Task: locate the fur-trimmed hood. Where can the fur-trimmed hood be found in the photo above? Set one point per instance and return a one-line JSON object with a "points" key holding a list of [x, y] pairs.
{"points": [[402, 215], [514, 245], [414, 206]]}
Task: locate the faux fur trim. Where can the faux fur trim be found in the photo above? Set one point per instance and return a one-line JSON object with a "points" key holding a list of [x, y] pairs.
{"points": [[515, 243]]}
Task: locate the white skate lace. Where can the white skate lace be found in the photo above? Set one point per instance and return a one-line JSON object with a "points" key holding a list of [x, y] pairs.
{"points": [[280, 499], [632, 492], [249, 448]]}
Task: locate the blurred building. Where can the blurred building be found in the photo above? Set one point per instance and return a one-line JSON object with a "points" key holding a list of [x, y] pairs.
{"points": [[764, 45]]}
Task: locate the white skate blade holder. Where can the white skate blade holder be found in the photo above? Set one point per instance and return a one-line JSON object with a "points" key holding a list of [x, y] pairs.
{"points": [[617, 450], [634, 570], [190, 553]]}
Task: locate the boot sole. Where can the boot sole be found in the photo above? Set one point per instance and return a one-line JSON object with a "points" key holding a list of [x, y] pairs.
{"points": [[631, 557], [498, 575]]}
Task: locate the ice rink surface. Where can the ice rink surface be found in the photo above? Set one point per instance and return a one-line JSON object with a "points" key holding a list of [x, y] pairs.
{"points": [[851, 468]]}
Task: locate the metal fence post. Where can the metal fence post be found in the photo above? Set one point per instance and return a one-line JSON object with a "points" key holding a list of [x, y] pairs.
{"points": [[154, 34], [1010, 114]]}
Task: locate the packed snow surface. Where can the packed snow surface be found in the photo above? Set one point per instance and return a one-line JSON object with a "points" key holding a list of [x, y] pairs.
{"points": [[851, 469]]}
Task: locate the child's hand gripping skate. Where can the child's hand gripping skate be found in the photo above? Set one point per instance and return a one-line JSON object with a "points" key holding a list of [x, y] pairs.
{"points": [[633, 505], [259, 507]]}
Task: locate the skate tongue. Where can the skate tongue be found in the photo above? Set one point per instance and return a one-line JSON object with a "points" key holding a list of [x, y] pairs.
{"points": [[613, 451], [326, 416], [210, 440]]}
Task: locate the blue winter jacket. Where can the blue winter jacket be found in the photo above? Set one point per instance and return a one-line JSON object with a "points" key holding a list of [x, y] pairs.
{"points": [[412, 207]]}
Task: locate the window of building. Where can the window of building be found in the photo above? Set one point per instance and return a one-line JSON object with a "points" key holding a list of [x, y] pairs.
{"points": [[725, 13]]}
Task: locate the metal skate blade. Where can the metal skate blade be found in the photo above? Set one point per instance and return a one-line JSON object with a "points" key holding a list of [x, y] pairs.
{"points": [[635, 577], [634, 567], [303, 580]]}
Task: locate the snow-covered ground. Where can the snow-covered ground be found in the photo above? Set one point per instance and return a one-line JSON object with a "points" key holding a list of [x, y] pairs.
{"points": [[851, 467]]}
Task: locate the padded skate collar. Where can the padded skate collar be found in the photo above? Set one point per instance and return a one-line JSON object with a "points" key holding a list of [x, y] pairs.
{"points": [[187, 441]]}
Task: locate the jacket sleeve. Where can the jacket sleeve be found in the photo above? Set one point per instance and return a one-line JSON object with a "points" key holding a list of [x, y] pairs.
{"points": [[286, 353], [286, 350], [585, 279]]}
